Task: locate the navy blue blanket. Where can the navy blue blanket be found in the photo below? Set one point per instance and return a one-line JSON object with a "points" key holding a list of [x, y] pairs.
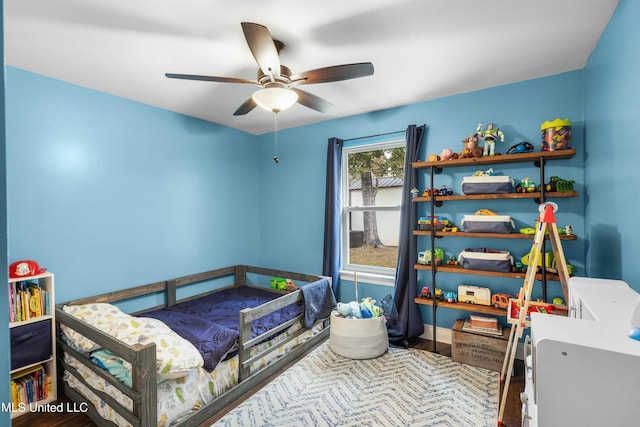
{"points": [[211, 323], [319, 301]]}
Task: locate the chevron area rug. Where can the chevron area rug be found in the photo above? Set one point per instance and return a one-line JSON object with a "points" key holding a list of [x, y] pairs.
{"points": [[403, 387]]}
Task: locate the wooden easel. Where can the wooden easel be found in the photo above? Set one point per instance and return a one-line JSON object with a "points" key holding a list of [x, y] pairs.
{"points": [[546, 223]]}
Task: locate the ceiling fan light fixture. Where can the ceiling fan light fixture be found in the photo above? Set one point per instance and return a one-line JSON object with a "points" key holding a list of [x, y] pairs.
{"points": [[275, 99]]}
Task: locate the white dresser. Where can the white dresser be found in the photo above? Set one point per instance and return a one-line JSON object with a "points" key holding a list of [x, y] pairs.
{"points": [[584, 370]]}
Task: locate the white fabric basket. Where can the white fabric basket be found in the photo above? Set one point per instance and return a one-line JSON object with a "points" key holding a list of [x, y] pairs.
{"points": [[358, 338]]}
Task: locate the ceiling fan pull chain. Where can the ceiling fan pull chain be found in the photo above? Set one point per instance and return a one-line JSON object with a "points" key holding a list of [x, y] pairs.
{"points": [[275, 137]]}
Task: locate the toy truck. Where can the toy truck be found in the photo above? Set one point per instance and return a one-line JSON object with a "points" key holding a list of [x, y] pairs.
{"points": [[500, 300], [526, 186], [424, 257]]}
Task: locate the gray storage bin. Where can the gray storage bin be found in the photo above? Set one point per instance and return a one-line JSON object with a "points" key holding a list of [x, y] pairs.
{"points": [[483, 184], [486, 259], [487, 223]]}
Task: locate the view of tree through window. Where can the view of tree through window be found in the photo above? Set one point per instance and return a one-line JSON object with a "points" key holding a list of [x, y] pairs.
{"points": [[372, 206]]}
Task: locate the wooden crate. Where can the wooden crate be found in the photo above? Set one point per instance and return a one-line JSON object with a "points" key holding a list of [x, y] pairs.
{"points": [[481, 350]]}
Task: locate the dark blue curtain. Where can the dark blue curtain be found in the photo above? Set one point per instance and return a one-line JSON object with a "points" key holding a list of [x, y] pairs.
{"points": [[331, 255], [407, 325]]}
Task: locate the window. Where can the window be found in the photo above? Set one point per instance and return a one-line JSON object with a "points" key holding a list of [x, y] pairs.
{"points": [[372, 178]]}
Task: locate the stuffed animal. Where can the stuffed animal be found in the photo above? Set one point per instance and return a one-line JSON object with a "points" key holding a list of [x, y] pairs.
{"points": [[471, 148], [448, 154], [365, 310], [350, 310], [344, 309], [368, 306]]}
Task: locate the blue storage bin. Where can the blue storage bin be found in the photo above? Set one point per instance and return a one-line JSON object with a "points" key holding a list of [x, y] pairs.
{"points": [[30, 343]]}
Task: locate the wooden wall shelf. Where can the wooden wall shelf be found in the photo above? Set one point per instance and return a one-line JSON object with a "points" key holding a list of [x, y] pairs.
{"points": [[503, 158], [459, 270], [475, 308], [487, 235], [534, 195]]}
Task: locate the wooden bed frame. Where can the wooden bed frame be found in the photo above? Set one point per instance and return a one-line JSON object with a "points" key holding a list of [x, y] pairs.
{"points": [[143, 392]]}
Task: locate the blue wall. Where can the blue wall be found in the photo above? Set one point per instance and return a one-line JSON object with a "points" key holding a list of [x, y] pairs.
{"points": [[108, 193], [612, 115]]}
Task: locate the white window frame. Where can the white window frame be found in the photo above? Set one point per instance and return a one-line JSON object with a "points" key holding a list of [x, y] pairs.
{"points": [[372, 274]]}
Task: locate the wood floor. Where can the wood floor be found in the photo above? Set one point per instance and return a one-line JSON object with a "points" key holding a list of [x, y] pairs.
{"points": [[511, 417]]}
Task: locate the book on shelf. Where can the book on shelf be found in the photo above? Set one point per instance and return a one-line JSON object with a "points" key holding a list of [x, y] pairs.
{"points": [[30, 385], [27, 300]]}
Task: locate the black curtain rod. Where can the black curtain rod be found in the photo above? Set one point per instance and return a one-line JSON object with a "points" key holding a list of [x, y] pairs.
{"points": [[373, 136]]}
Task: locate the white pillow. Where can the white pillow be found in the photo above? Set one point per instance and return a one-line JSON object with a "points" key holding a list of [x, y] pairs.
{"points": [[175, 356], [98, 315]]}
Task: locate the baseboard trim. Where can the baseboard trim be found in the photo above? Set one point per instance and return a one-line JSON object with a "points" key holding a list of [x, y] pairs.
{"points": [[444, 335]]}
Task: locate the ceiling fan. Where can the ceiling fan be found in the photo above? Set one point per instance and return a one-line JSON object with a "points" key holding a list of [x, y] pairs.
{"points": [[277, 82]]}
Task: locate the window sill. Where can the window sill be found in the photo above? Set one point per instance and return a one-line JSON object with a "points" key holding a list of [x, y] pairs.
{"points": [[372, 278]]}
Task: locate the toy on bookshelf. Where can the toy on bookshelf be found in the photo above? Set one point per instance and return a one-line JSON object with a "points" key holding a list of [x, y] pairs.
{"points": [[25, 268]]}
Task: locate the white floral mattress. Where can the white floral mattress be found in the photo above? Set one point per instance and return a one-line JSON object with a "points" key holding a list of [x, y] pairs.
{"points": [[178, 398]]}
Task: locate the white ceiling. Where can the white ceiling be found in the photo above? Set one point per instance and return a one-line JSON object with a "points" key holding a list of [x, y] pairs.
{"points": [[421, 49]]}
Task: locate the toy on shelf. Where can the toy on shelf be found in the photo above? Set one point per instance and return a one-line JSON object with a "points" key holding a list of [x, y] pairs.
{"points": [[471, 148], [442, 191], [550, 263], [490, 135], [474, 294], [446, 191], [433, 222], [486, 212], [559, 185], [448, 154], [521, 147], [414, 192], [451, 296], [500, 300], [526, 186], [425, 292], [424, 257], [488, 172], [556, 135]]}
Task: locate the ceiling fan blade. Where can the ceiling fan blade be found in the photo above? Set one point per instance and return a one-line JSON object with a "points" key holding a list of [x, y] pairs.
{"points": [[262, 47], [210, 78], [246, 106], [312, 101], [334, 73]]}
